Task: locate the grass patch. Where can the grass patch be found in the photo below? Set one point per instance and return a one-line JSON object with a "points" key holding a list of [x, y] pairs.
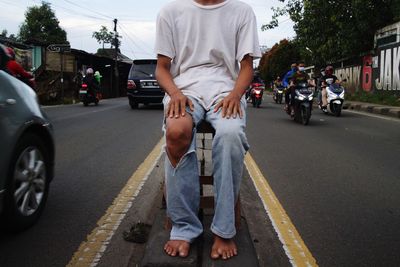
{"points": [[381, 98]]}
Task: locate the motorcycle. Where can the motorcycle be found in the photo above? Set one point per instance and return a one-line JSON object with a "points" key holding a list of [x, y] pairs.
{"points": [[335, 98], [302, 106], [88, 95], [278, 94], [256, 94]]}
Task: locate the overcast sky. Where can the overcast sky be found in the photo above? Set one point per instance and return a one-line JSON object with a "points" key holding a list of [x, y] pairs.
{"points": [[136, 20]]}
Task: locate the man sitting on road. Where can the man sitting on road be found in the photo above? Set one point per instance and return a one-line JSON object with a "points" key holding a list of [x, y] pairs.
{"points": [[200, 45]]}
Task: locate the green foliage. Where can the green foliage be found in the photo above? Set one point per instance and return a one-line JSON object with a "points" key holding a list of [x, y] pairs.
{"points": [[335, 29], [277, 61], [42, 26], [381, 98], [103, 36], [12, 37]]}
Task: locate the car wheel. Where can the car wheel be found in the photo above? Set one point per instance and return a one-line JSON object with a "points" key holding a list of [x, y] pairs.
{"points": [[28, 183]]}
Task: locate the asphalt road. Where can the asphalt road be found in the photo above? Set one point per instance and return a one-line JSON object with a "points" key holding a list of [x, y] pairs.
{"points": [[98, 149], [337, 178]]}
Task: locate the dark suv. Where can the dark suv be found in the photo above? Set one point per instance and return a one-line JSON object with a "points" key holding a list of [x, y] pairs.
{"points": [[142, 85]]}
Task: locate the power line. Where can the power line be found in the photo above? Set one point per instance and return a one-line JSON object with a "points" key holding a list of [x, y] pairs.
{"points": [[73, 12], [88, 9], [133, 42], [136, 37]]}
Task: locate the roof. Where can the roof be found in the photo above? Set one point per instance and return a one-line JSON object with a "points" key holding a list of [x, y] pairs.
{"points": [[110, 53]]}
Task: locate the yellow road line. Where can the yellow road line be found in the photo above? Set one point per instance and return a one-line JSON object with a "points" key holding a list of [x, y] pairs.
{"points": [[91, 250], [294, 246]]}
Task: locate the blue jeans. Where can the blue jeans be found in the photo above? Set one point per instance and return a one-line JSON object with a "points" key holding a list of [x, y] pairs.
{"points": [[182, 182]]}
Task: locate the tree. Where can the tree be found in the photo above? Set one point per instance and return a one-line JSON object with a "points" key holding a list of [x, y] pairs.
{"points": [[335, 29], [42, 26], [4, 34], [277, 61], [103, 36]]}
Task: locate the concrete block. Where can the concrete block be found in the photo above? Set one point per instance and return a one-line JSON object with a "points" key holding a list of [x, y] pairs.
{"points": [[208, 144], [381, 110], [394, 112], [208, 136], [367, 108], [356, 106]]}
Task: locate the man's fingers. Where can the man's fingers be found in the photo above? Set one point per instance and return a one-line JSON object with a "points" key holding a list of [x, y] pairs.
{"points": [[235, 111], [229, 110], [183, 107], [176, 110], [218, 106], [224, 107], [171, 109], [191, 106]]}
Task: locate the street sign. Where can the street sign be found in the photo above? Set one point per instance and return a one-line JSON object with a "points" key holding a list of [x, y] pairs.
{"points": [[59, 48]]}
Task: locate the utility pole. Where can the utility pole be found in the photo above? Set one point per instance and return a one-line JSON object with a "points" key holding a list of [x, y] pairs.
{"points": [[116, 58]]}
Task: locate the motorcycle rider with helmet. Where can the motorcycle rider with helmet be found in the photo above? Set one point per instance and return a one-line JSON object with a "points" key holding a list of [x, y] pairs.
{"points": [[16, 70], [325, 82], [300, 76], [91, 82]]}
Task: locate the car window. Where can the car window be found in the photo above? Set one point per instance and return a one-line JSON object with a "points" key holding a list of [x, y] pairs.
{"points": [[143, 69]]}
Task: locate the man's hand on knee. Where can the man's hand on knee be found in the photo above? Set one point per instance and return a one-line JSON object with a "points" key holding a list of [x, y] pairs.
{"points": [[177, 105], [230, 106]]}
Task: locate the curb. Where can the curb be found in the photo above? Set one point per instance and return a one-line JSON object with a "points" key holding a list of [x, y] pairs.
{"points": [[373, 108]]}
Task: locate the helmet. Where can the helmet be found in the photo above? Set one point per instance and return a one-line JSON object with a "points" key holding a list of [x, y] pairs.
{"points": [[97, 74], [329, 70], [10, 52], [89, 71]]}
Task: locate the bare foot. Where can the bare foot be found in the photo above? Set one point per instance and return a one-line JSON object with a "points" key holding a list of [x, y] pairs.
{"points": [[177, 247], [224, 248]]}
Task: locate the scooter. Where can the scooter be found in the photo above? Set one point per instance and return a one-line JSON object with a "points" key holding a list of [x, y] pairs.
{"points": [[335, 98], [302, 106], [278, 94], [256, 94], [88, 95]]}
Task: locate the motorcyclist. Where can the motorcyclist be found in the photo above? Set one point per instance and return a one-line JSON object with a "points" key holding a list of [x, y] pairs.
{"points": [[249, 91], [278, 83], [327, 79], [300, 76], [15, 69], [293, 69], [91, 82]]}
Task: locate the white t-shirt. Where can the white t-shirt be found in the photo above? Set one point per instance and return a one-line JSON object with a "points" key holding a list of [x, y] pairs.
{"points": [[206, 44]]}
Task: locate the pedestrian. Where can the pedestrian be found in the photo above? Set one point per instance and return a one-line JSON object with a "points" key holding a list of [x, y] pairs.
{"points": [[205, 51], [98, 77]]}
